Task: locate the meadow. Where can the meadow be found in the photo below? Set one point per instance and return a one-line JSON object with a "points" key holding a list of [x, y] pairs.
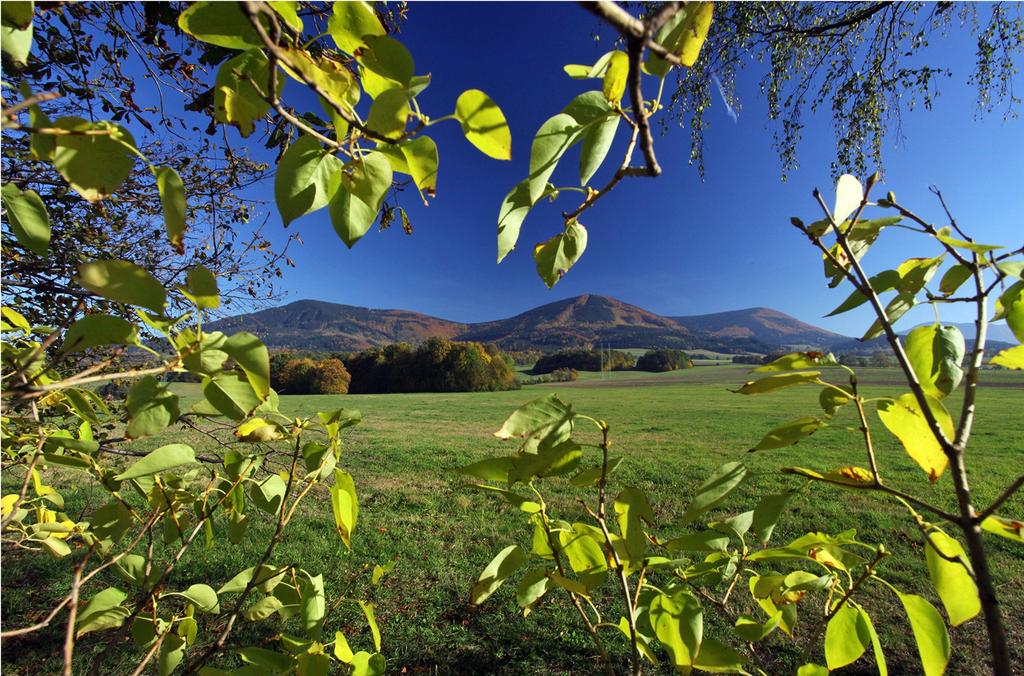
{"points": [[673, 429]]}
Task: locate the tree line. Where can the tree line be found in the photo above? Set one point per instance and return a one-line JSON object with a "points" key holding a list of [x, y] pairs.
{"points": [[437, 365]]}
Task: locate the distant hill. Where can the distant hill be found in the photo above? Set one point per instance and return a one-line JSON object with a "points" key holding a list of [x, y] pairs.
{"points": [[572, 322], [318, 325], [763, 325], [584, 319]]}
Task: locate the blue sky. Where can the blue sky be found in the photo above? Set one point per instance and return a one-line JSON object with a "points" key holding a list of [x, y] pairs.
{"points": [[674, 245]]}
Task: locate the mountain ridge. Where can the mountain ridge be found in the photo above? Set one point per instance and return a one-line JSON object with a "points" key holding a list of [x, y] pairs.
{"points": [[569, 322]]}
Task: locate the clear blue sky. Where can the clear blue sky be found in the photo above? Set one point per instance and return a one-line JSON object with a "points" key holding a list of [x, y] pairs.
{"points": [[674, 245]]}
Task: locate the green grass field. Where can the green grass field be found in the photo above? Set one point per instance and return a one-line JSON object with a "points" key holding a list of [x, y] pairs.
{"points": [[672, 428]]}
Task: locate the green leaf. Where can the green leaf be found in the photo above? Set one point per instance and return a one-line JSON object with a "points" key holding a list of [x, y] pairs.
{"points": [[531, 588], [718, 658], [219, 23], [27, 217], [263, 608], [306, 179], [536, 415], [679, 624], [811, 669], [935, 353], [857, 477], [365, 664], [269, 494], [832, 399], [1010, 529], [864, 625], [123, 282], [235, 100], [683, 35], [103, 611], [344, 505], [203, 597], [172, 199], [767, 514], [389, 113], [17, 14], [342, 651], [418, 158], [772, 383], [953, 582], [929, 633], [160, 460], [597, 141], [790, 433], [556, 256], [903, 417], [16, 43], [514, 208], [579, 72], [151, 407], [845, 638], [484, 124], [633, 509], [350, 22], [553, 138], [717, 487], [201, 288], [880, 283], [267, 660], [386, 63], [95, 165], [751, 630], [359, 197], [288, 10], [231, 395], [488, 469], [14, 320], [896, 308], [252, 356], [512, 497], [586, 556], [953, 279], [368, 610], [97, 329], [944, 235], [614, 83], [795, 361], [706, 541], [502, 566], [589, 477]]}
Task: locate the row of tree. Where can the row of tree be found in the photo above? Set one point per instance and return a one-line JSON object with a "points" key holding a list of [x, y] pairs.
{"points": [[663, 359], [437, 365]]}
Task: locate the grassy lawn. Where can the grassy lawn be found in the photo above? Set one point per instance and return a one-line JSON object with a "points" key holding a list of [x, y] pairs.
{"points": [[672, 428]]}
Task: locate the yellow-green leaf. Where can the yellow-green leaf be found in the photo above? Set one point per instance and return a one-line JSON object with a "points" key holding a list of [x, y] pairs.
{"points": [[772, 383], [123, 282], [935, 352], [350, 22], [929, 633], [172, 199], [27, 218], [504, 564], [903, 417], [614, 84], [953, 582], [345, 505], [484, 124], [555, 256]]}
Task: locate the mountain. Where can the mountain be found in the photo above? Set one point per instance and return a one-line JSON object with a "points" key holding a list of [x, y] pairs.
{"points": [[584, 319], [318, 325], [760, 324], [572, 322]]}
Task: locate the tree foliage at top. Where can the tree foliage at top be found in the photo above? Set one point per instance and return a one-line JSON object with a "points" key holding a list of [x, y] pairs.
{"points": [[864, 63]]}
